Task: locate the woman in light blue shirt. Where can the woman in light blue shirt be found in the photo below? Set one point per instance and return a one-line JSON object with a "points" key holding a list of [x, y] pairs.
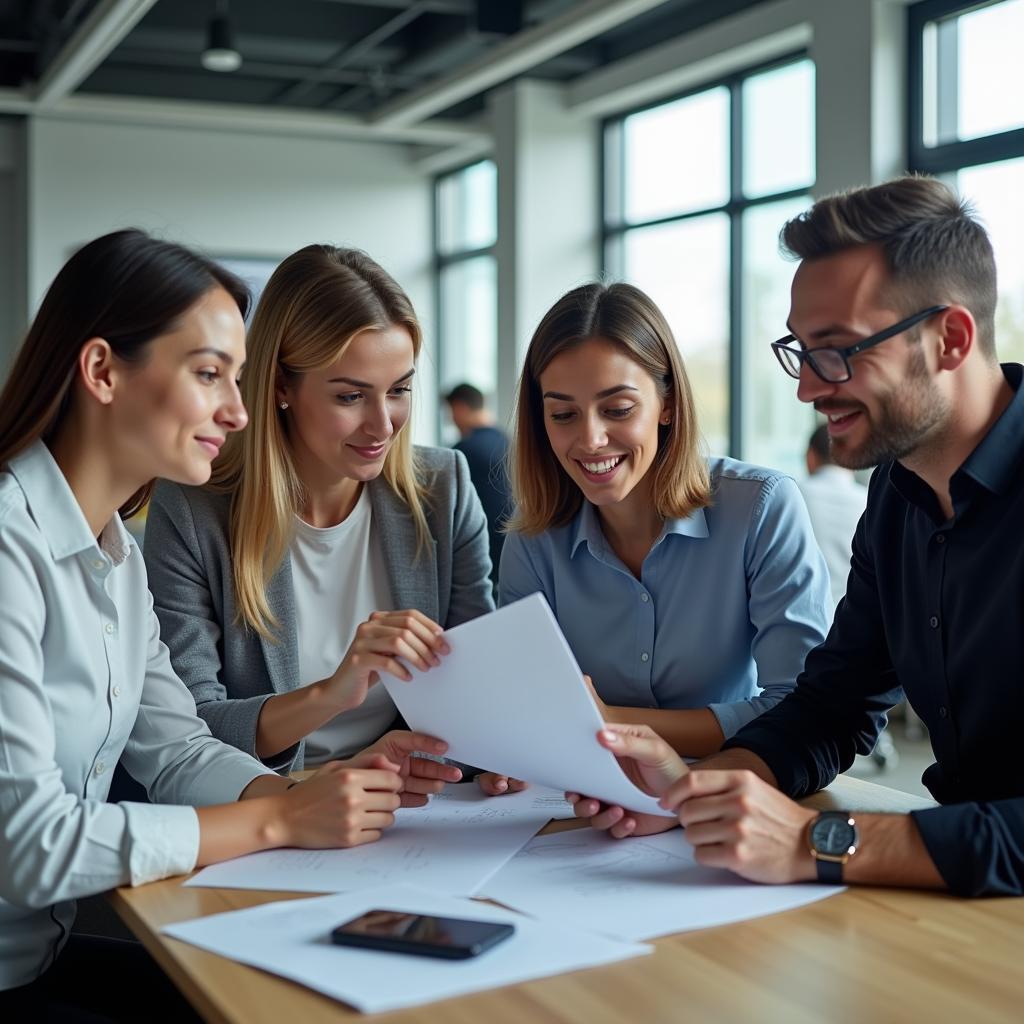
{"points": [[690, 589], [128, 373]]}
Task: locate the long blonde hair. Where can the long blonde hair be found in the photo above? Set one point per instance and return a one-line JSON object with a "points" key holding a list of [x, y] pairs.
{"points": [[545, 496], [314, 304]]}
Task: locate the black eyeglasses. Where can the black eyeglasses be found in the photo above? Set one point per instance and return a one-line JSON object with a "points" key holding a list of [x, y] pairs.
{"points": [[832, 365]]}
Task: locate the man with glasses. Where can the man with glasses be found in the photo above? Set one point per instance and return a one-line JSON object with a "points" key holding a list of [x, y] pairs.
{"points": [[892, 338]]}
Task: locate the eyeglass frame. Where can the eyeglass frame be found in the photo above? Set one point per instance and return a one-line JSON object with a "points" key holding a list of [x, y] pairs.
{"points": [[806, 355]]}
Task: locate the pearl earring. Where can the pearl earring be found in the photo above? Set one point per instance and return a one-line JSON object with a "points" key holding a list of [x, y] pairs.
{"points": [[284, 405]]}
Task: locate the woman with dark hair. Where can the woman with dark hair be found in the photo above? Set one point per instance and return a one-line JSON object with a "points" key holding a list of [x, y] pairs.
{"points": [[327, 545], [690, 589], [128, 372]]}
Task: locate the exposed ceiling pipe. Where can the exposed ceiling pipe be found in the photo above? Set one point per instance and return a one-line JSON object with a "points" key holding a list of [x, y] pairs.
{"points": [[522, 52], [88, 46], [354, 52]]}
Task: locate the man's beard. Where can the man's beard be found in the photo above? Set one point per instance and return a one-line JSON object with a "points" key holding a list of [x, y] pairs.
{"points": [[905, 416]]}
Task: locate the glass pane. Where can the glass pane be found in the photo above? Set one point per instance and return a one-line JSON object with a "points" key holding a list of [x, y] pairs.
{"points": [[677, 157], [995, 190], [467, 214], [469, 324], [778, 130], [973, 75], [776, 426], [684, 267]]}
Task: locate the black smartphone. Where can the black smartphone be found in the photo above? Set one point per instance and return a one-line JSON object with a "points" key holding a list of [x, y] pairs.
{"points": [[396, 931]]}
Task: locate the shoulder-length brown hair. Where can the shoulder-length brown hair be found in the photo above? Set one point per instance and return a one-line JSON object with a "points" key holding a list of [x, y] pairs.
{"points": [[545, 495], [314, 304], [125, 287]]}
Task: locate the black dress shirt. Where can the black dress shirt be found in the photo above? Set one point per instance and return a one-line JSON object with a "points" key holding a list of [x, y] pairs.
{"points": [[485, 449], [935, 607]]}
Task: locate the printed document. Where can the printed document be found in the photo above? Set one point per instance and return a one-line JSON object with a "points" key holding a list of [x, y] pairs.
{"points": [[292, 939], [452, 845], [510, 698], [634, 888]]}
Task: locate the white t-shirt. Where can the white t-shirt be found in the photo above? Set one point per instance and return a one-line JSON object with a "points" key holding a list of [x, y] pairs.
{"points": [[339, 578], [835, 501]]}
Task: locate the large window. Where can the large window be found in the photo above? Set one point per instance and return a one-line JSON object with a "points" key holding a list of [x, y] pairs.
{"points": [[696, 190], [967, 126], [465, 232]]}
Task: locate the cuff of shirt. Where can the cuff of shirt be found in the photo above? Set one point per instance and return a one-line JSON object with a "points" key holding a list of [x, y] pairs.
{"points": [[164, 841], [732, 717], [790, 775]]}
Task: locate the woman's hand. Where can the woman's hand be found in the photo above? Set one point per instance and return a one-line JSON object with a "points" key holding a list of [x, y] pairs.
{"points": [[650, 764], [379, 642], [495, 785], [420, 776], [340, 806]]}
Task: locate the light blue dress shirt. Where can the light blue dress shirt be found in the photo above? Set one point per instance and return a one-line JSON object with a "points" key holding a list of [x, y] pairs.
{"points": [[84, 682], [729, 601]]}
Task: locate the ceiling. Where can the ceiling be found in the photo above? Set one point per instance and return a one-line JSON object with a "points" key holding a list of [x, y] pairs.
{"points": [[365, 59]]}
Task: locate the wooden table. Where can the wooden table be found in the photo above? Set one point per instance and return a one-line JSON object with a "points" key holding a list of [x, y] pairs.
{"points": [[867, 955]]}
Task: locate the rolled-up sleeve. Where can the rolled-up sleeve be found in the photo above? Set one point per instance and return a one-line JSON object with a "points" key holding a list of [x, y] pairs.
{"points": [[978, 848], [789, 602]]}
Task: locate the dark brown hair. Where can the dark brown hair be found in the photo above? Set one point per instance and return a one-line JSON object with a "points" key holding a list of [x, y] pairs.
{"points": [[126, 288], [936, 249]]}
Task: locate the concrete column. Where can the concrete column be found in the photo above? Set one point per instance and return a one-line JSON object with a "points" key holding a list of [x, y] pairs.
{"points": [[548, 213]]}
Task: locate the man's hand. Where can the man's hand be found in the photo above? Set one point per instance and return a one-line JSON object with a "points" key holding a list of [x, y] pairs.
{"points": [[420, 776], [650, 764], [735, 820]]}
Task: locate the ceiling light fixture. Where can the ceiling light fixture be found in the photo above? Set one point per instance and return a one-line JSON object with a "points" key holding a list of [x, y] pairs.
{"points": [[220, 53]]}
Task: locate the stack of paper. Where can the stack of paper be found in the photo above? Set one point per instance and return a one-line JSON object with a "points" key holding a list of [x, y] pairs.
{"points": [[634, 888], [292, 939], [453, 845]]}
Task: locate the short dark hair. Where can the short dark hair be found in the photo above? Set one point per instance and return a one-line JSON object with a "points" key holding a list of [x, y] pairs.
{"points": [[936, 249], [469, 396], [126, 287], [819, 444]]}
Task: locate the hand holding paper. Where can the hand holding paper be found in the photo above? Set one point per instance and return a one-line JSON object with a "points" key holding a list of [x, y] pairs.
{"points": [[510, 698]]}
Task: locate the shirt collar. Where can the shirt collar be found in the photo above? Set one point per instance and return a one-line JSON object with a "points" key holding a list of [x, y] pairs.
{"points": [[56, 511], [587, 528], [994, 462]]}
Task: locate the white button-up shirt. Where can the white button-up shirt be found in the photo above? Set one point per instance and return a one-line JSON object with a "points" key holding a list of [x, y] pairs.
{"points": [[84, 682]]}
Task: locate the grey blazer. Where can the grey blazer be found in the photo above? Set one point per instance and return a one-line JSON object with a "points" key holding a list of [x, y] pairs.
{"points": [[232, 670]]}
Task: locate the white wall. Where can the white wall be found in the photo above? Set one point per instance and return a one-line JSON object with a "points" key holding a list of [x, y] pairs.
{"points": [[233, 194]]}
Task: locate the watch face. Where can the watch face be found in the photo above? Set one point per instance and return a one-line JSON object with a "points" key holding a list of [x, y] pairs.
{"points": [[832, 836]]}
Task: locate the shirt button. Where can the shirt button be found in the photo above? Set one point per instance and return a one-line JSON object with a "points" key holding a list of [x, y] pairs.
{"points": [[109, 629], [117, 691], [98, 563], [100, 768], [645, 598], [940, 539], [943, 712], [934, 622], [644, 656]]}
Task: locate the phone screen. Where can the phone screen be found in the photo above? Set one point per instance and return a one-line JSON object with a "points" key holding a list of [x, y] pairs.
{"points": [[402, 932]]}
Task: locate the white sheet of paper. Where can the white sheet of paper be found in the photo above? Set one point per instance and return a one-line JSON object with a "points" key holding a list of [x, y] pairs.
{"points": [[635, 888], [292, 939], [452, 845], [510, 698]]}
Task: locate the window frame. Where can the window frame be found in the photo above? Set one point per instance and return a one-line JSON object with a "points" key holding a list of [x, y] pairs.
{"points": [[443, 260], [949, 157], [614, 230]]}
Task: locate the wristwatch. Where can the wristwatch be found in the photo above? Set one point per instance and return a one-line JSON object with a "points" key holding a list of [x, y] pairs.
{"points": [[832, 837]]}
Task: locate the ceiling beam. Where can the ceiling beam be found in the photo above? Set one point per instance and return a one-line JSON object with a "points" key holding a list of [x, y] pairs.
{"points": [[522, 52], [225, 117], [15, 101], [88, 47]]}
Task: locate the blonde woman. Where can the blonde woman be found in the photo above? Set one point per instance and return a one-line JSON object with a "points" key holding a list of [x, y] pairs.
{"points": [[690, 589], [327, 547]]}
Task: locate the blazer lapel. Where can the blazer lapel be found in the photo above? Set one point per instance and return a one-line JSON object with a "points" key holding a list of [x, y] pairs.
{"points": [[282, 658], [413, 578]]}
